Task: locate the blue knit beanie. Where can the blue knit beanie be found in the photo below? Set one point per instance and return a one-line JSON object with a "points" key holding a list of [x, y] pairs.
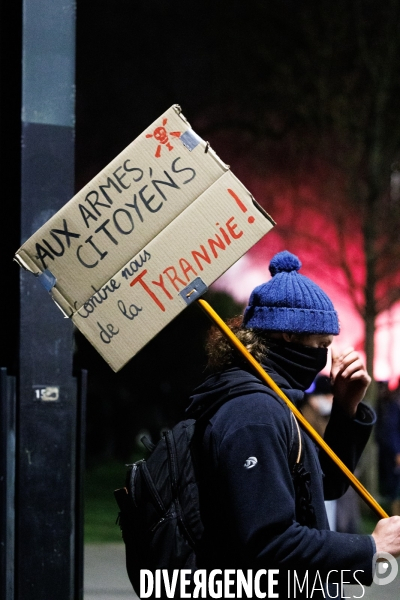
{"points": [[290, 302]]}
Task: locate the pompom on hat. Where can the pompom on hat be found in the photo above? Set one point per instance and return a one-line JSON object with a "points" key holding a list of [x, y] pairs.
{"points": [[290, 302]]}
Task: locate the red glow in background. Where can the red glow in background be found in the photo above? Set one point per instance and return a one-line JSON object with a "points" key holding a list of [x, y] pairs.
{"points": [[315, 221]]}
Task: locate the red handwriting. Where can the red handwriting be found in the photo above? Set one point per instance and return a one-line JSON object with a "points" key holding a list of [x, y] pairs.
{"points": [[161, 135], [240, 204], [139, 279], [176, 277]]}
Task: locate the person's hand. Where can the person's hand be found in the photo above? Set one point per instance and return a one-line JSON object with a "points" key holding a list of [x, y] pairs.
{"points": [[387, 536], [350, 379], [397, 460]]}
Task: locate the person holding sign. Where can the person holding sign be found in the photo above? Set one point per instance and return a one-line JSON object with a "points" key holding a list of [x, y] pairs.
{"points": [[262, 483]]}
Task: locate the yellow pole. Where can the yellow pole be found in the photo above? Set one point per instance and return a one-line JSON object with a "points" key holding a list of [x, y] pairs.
{"points": [[356, 484]]}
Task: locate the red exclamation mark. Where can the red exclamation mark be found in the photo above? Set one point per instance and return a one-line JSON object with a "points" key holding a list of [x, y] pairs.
{"points": [[240, 204]]}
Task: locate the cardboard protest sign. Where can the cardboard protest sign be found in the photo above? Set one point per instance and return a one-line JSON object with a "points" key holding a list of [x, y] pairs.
{"points": [[145, 237]]}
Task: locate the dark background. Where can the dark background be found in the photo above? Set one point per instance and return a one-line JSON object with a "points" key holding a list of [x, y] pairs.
{"points": [[285, 91]]}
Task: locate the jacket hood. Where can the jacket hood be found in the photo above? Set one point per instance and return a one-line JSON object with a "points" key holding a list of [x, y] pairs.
{"points": [[220, 387]]}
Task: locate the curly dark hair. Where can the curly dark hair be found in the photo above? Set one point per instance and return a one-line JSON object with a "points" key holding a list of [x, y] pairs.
{"points": [[221, 354]]}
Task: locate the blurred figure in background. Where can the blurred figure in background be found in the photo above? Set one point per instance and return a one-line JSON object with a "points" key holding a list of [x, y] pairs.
{"points": [[344, 513], [318, 403], [388, 440]]}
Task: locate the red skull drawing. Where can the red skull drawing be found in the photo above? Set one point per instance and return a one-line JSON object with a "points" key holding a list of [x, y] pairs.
{"points": [[161, 135]]}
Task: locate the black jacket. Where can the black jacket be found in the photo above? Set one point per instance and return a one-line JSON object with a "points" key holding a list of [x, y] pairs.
{"points": [[250, 513]]}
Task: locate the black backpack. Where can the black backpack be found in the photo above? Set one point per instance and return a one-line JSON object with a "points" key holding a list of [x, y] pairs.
{"points": [[159, 506]]}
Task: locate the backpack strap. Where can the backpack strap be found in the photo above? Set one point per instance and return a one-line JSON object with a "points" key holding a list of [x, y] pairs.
{"points": [[305, 513], [296, 446], [174, 478]]}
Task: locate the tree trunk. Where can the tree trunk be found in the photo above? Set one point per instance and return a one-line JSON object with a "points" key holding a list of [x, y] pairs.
{"points": [[369, 290], [370, 355], [369, 462]]}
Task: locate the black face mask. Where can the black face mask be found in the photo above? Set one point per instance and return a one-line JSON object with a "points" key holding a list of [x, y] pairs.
{"points": [[298, 364]]}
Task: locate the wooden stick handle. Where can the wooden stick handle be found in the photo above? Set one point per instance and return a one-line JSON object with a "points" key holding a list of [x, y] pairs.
{"points": [[356, 484]]}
